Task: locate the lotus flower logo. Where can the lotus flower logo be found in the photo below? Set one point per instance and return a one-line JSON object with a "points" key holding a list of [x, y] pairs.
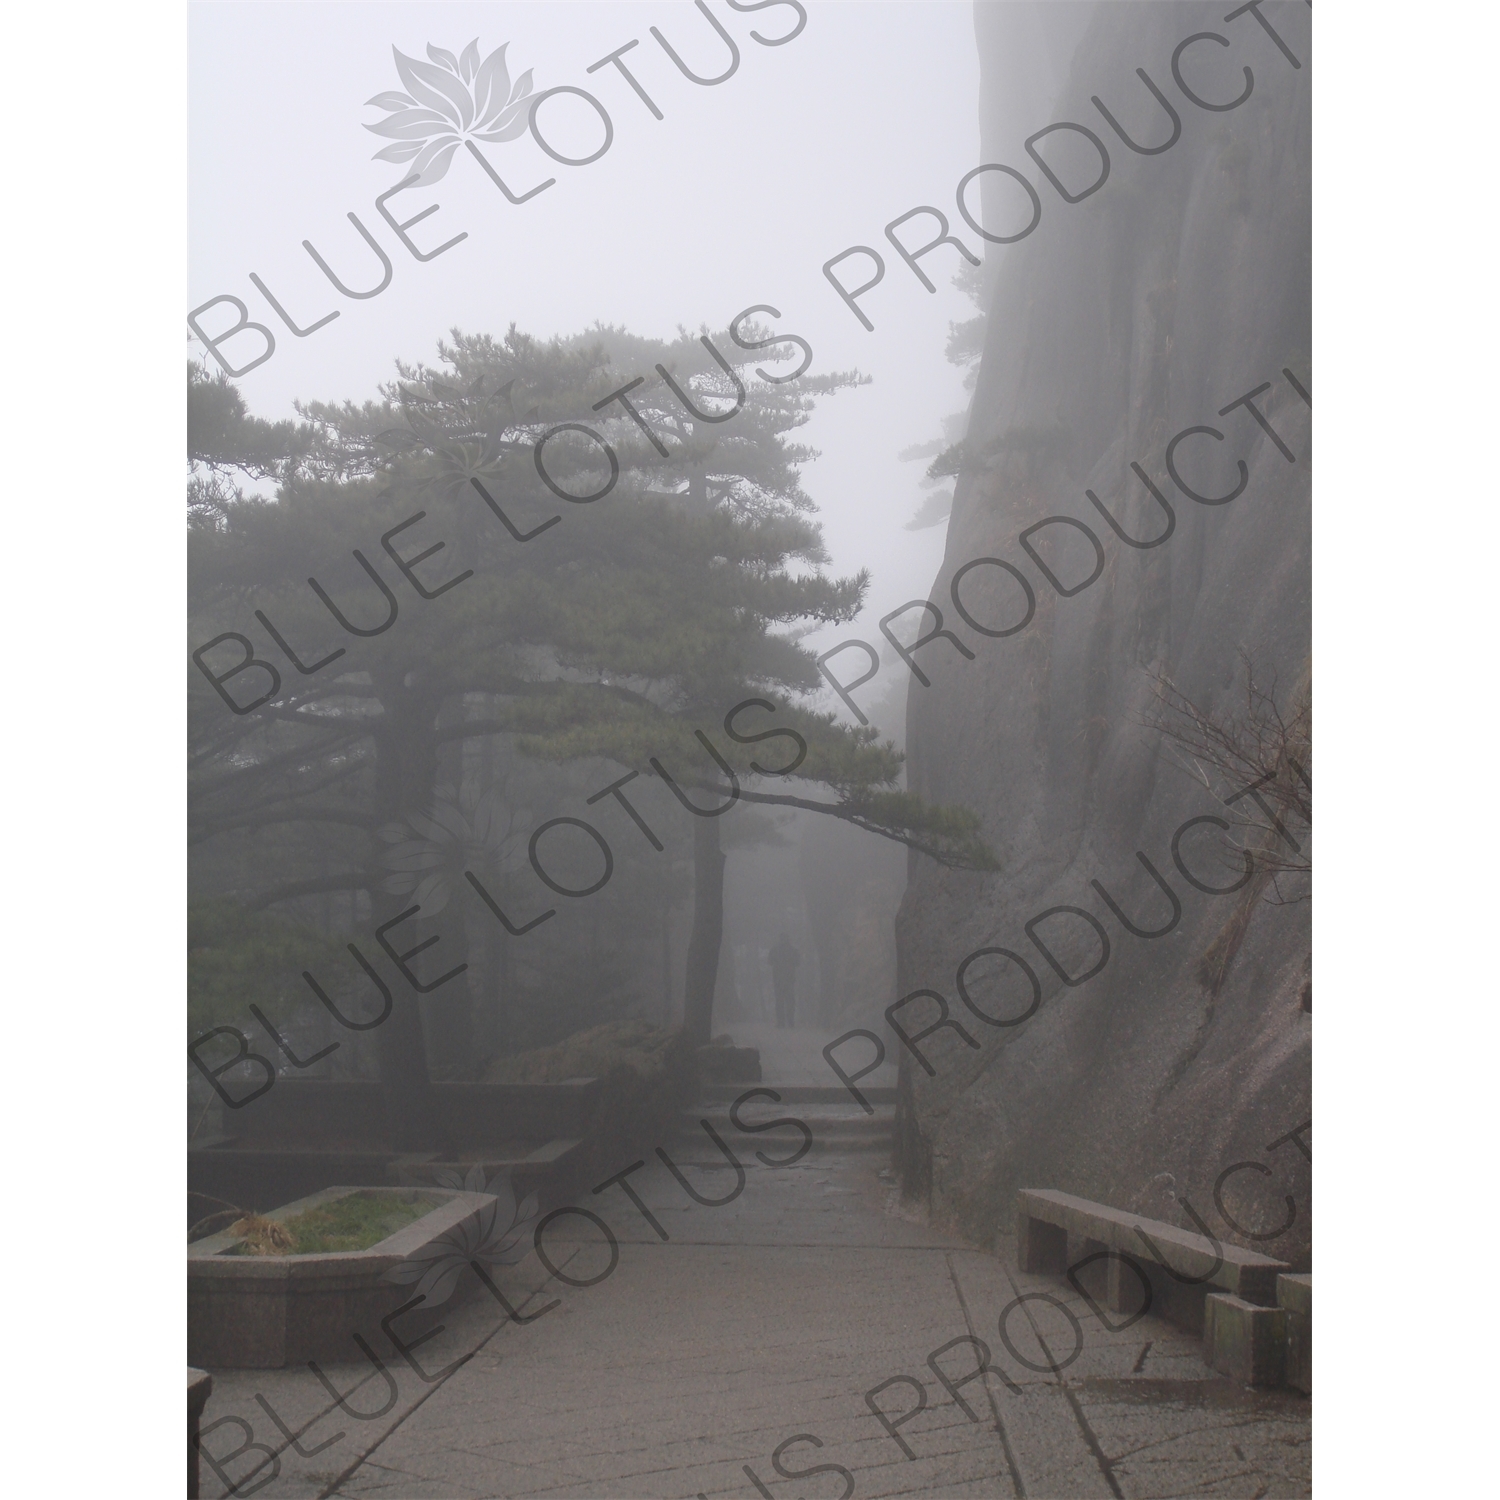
{"points": [[449, 100]]}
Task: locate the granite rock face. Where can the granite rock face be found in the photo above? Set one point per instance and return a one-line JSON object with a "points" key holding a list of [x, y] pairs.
{"points": [[1143, 309]]}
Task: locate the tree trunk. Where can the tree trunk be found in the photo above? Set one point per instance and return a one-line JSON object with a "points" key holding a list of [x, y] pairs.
{"points": [[666, 964], [410, 1111], [708, 931], [826, 944], [449, 1012], [404, 766]]}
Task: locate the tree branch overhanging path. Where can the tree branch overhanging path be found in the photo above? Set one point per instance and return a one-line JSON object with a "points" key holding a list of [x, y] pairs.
{"points": [[618, 634]]}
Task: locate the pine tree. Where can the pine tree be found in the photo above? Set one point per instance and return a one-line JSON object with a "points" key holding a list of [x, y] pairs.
{"points": [[627, 626]]}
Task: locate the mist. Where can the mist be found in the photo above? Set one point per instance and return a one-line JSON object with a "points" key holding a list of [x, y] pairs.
{"points": [[750, 748]]}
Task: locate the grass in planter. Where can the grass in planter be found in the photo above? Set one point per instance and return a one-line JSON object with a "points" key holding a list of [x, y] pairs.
{"points": [[354, 1222]]}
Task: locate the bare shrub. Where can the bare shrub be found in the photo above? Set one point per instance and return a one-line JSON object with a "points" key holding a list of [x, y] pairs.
{"points": [[1263, 750]]}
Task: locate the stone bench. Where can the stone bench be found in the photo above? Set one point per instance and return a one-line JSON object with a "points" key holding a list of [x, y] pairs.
{"points": [[1266, 1346], [1244, 1341], [1294, 1293], [1194, 1264], [200, 1386]]}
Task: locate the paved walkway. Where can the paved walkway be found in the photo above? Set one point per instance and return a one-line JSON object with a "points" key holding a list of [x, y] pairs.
{"points": [[795, 1056], [734, 1357]]}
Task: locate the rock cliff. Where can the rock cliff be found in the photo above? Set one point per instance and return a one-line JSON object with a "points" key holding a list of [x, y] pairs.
{"points": [[1133, 315]]}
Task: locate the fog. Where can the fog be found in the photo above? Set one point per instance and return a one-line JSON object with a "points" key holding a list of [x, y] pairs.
{"points": [[749, 724], [736, 197]]}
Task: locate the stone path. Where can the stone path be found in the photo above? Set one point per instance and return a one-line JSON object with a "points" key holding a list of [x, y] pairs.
{"points": [[795, 1056], [734, 1357]]}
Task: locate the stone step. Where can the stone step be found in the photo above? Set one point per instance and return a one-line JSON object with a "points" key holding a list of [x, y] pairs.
{"points": [[845, 1129], [883, 1115], [797, 1093]]}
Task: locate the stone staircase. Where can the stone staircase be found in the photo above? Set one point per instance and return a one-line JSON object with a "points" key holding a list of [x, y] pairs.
{"points": [[839, 1126]]}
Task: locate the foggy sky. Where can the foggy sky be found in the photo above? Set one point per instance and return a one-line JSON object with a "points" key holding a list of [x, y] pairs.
{"points": [[736, 197]]}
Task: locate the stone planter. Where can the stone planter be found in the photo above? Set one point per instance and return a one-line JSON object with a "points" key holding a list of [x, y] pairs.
{"points": [[267, 1311]]}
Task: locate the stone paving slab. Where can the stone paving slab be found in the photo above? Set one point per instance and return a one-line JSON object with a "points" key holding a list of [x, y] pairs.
{"points": [[756, 1322], [794, 1055]]}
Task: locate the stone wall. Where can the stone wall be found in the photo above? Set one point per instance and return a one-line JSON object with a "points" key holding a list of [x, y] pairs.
{"points": [[1142, 310]]}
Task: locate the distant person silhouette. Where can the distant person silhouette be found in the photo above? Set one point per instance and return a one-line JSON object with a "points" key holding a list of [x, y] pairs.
{"points": [[784, 959]]}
